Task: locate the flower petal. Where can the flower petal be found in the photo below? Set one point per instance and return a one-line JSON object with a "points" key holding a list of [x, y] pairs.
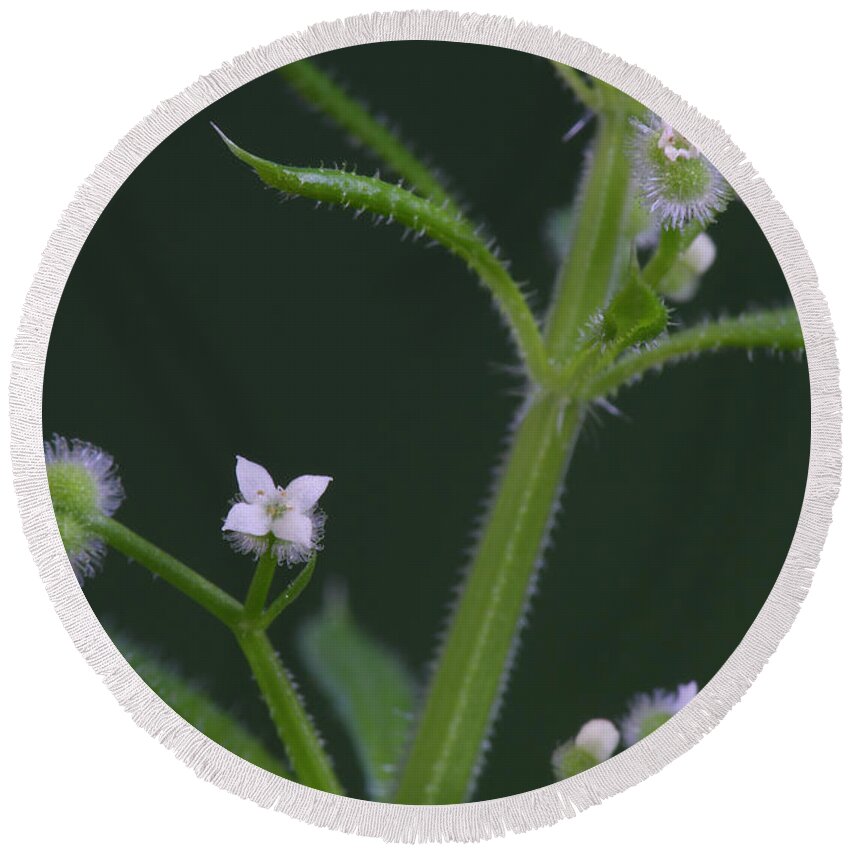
{"points": [[303, 492], [254, 481], [247, 519], [294, 527], [684, 694]]}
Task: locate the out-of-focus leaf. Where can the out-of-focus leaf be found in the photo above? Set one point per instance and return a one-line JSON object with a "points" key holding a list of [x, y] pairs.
{"points": [[369, 686], [195, 706]]}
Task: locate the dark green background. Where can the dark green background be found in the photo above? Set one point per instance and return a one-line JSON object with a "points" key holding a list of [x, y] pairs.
{"points": [[205, 318]]}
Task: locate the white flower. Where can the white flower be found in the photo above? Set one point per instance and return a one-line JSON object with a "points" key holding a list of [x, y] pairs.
{"points": [[599, 738], [283, 518], [649, 711], [84, 482]]}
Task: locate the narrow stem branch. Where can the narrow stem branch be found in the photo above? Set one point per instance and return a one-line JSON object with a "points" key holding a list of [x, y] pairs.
{"points": [[258, 590], [588, 276], [581, 88], [773, 329], [319, 89], [295, 729], [672, 244], [292, 592], [474, 664], [422, 216], [208, 595]]}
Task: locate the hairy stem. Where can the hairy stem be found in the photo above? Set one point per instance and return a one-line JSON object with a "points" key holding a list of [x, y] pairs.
{"points": [[208, 595], [258, 591], [474, 664], [290, 594], [772, 329], [588, 276], [585, 91], [672, 244], [319, 89], [419, 215], [303, 746]]}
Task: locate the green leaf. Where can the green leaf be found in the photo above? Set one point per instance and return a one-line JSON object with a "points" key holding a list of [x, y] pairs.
{"points": [[195, 706], [370, 688], [394, 203], [635, 315]]}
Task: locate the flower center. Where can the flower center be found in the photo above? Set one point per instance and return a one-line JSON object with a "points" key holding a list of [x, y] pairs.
{"points": [[275, 504], [675, 146]]}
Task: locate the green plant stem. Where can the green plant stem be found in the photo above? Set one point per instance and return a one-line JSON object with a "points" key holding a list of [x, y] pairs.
{"points": [[420, 215], [473, 667], [772, 329], [292, 592], [474, 663], [582, 89], [208, 595], [295, 729], [319, 89], [672, 244], [258, 591], [588, 276]]}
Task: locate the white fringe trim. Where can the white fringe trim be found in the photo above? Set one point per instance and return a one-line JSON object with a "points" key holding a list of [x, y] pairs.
{"points": [[470, 821]]}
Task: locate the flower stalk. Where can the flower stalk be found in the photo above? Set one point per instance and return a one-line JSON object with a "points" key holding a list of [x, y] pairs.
{"points": [[199, 589], [295, 729]]}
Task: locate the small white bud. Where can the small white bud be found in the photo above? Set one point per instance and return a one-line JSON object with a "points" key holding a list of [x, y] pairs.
{"points": [[700, 254], [599, 737], [682, 282]]}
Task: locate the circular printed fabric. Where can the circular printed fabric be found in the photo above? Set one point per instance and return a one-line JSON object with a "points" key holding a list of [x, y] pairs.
{"points": [[427, 423]]}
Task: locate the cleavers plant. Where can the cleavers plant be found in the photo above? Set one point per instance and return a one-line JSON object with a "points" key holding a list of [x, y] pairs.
{"points": [[636, 240]]}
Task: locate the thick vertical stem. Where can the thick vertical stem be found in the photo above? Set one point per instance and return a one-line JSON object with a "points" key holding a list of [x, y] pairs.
{"points": [[473, 667], [474, 664]]}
